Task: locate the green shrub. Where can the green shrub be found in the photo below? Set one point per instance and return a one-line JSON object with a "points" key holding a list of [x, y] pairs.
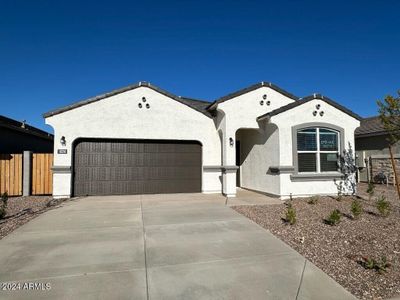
{"points": [[371, 189], [4, 198], [290, 216], [2, 212], [313, 200], [383, 206], [3, 205], [371, 264], [356, 208], [339, 196], [334, 217]]}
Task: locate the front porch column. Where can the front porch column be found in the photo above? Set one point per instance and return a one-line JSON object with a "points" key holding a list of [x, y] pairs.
{"points": [[229, 167], [229, 180]]}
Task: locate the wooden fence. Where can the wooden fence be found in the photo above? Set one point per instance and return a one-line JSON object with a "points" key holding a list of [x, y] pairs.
{"points": [[42, 176], [11, 174]]}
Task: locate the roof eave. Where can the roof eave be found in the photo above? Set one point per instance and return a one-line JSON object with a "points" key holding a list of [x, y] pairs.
{"points": [[250, 89], [119, 91]]}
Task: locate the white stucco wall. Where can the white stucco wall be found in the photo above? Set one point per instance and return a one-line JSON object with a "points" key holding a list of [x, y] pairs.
{"points": [[259, 151], [300, 115], [242, 112], [120, 117]]}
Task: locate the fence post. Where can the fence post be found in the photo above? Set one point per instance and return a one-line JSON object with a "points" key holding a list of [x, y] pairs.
{"points": [[27, 173]]}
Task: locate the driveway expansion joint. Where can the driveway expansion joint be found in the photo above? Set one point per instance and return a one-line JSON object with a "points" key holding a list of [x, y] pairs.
{"points": [[301, 278], [144, 249]]}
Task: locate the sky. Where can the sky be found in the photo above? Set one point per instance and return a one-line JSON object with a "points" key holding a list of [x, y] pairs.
{"points": [[54, 53]]}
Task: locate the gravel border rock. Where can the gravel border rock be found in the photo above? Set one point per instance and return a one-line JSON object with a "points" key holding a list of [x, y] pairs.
{"points": [[339, 250], [21, 210]]}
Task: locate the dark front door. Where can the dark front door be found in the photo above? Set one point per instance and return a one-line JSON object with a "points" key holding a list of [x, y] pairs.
{"points": [[126, 167], [238, 163]]}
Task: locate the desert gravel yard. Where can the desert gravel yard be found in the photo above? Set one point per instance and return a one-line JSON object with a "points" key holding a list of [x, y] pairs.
{"points": [[341, 250], [21, 210]]}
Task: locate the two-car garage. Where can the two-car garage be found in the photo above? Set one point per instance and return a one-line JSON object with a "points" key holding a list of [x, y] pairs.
{"points": [[126, 167]]}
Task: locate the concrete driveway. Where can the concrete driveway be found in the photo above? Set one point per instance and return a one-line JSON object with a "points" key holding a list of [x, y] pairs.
{"points": [[186, 246]]}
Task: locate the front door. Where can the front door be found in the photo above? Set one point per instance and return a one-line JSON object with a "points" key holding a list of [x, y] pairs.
{"points": [[238, 162]]}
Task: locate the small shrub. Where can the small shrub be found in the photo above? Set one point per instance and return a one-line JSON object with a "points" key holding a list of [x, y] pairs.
{"points": [[2, 212], [334, 218], [290, 216], [3, 205], [370, 190], [339, 196], [378, 265], [313, 200], [4, 198], [383, 206], [356, 208]]}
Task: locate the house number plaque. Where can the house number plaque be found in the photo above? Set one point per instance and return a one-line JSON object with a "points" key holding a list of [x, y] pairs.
{"points": [[62, 151]]}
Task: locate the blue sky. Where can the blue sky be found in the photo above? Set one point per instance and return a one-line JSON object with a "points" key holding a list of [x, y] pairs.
{"points": [[53, 53]]}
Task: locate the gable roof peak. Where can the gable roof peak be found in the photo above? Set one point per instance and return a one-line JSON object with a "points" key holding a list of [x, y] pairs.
{"points": [[250, 89], [305, 100], [192, 103]]}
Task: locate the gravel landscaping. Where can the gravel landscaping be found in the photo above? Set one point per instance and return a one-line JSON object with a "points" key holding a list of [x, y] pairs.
{"points": [[20, 210], [341, 250]]}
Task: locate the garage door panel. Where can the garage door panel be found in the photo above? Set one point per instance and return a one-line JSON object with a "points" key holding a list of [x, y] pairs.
{"points": [[136, 167]]}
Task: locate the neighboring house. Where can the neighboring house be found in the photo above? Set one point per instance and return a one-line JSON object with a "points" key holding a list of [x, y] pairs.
{"points": [[17, 137], [142, 139], [373, 152]]}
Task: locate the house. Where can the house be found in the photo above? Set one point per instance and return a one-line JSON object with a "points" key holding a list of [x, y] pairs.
{"points": [[142, 139], [17, 137], [372, 150]]}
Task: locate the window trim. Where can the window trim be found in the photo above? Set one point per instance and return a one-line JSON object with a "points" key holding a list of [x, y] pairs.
{"points": [[318, 125]]}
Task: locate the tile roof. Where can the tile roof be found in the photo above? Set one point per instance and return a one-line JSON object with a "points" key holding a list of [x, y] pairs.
{"points": [[370, 126], [252, 88], [23, 127], [198, 105]]}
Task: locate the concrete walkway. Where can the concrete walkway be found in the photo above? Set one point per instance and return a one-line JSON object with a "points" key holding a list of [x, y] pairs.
{"points": [[186, 246]]}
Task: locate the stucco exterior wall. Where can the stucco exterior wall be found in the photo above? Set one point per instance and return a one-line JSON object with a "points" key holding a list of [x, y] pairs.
{"points": [[259, 150], [242, 112], [301, 115], [120, 117]]}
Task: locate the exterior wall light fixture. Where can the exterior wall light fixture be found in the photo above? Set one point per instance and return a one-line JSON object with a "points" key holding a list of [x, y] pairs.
{"points": [[63, 142], [231, 143]]}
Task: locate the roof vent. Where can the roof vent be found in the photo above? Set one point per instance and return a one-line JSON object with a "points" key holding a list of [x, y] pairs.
{"points": [[23, 124]]}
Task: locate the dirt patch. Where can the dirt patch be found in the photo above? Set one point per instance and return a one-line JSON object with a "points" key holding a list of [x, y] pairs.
{"points": [[338, 250], [20, 210]]}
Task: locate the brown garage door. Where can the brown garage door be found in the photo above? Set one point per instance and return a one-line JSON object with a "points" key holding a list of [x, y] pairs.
{"points": [[121, 167]]}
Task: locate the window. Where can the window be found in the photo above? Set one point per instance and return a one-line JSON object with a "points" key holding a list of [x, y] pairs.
{"points": [[317, 150]]}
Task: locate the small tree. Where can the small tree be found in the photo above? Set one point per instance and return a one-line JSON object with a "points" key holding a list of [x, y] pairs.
{"points": [[389, 113]]}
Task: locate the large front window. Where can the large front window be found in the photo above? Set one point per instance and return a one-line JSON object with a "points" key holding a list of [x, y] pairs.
{"points": [[317, 150]]}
